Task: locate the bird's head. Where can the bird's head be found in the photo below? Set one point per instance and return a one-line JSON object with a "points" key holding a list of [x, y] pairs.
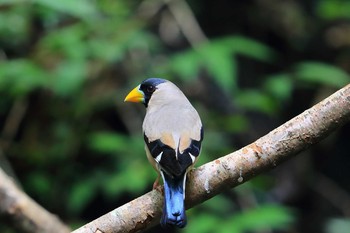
{"points": [[143, 92]]}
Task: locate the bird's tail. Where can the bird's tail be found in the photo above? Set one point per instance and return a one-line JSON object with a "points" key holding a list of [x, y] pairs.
{"points": [[174, 206]]}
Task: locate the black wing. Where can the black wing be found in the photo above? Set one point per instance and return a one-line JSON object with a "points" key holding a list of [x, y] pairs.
{"points": [[166, 156]]}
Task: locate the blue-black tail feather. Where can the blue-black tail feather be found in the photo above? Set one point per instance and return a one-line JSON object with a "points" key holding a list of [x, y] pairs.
{"points": [[174, 206]]}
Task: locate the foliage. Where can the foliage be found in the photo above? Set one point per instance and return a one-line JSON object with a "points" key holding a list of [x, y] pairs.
{"points": [[337, 226], [216, 56], [78, 150]]}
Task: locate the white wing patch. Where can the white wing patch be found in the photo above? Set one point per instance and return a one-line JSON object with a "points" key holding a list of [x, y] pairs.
{"points": [[159, 157], [193, 158]]}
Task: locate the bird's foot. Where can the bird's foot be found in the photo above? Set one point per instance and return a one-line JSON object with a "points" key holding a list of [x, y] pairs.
{"points": [[157, 186]]}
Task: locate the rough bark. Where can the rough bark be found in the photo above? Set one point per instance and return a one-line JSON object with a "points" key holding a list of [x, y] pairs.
{"points": [[24, 212], [235, 168]]}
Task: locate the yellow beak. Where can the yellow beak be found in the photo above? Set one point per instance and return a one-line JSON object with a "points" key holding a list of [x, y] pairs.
{"points": [[135, 95]]}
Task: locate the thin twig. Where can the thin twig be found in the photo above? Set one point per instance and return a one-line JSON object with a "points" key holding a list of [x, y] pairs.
{"points": [[12, 122], [186, 21]]}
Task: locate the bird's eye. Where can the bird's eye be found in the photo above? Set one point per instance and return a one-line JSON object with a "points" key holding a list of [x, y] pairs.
{"points": [[150, 89]]}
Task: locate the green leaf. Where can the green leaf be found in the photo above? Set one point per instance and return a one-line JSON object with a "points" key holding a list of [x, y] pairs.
{"points": [[213, 57], [40, 182], [7, 2], [218, 57], [114, 49], [220, 63], [334, 9], [250, 48], [217, 142], [263, 217], [203, 223], [219, 204], [233, 123], [187, 64], [279, 86], [114, 143], [21, 76], [108, 142], [268, 216], [127, 180], [83, 9], [68, 41], [80, 195], [69, 77], [15, 27], [257, 101], [321, 73], [338, 225]]}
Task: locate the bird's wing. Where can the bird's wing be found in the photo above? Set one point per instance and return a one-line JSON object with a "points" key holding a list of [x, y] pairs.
{"points": [[174, 157]]}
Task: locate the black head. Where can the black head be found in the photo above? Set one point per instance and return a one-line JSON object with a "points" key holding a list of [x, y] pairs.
{"points": [[148, 86]]}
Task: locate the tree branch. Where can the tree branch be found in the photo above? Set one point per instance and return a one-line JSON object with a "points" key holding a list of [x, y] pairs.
{"points": [[24, 212], [233, 169]]}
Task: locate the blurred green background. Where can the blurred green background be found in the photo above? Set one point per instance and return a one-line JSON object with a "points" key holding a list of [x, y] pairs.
{"points": [[74, 146]]}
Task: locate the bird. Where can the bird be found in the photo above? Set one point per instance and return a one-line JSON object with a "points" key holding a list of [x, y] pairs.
{"points": [[173, 134]]}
